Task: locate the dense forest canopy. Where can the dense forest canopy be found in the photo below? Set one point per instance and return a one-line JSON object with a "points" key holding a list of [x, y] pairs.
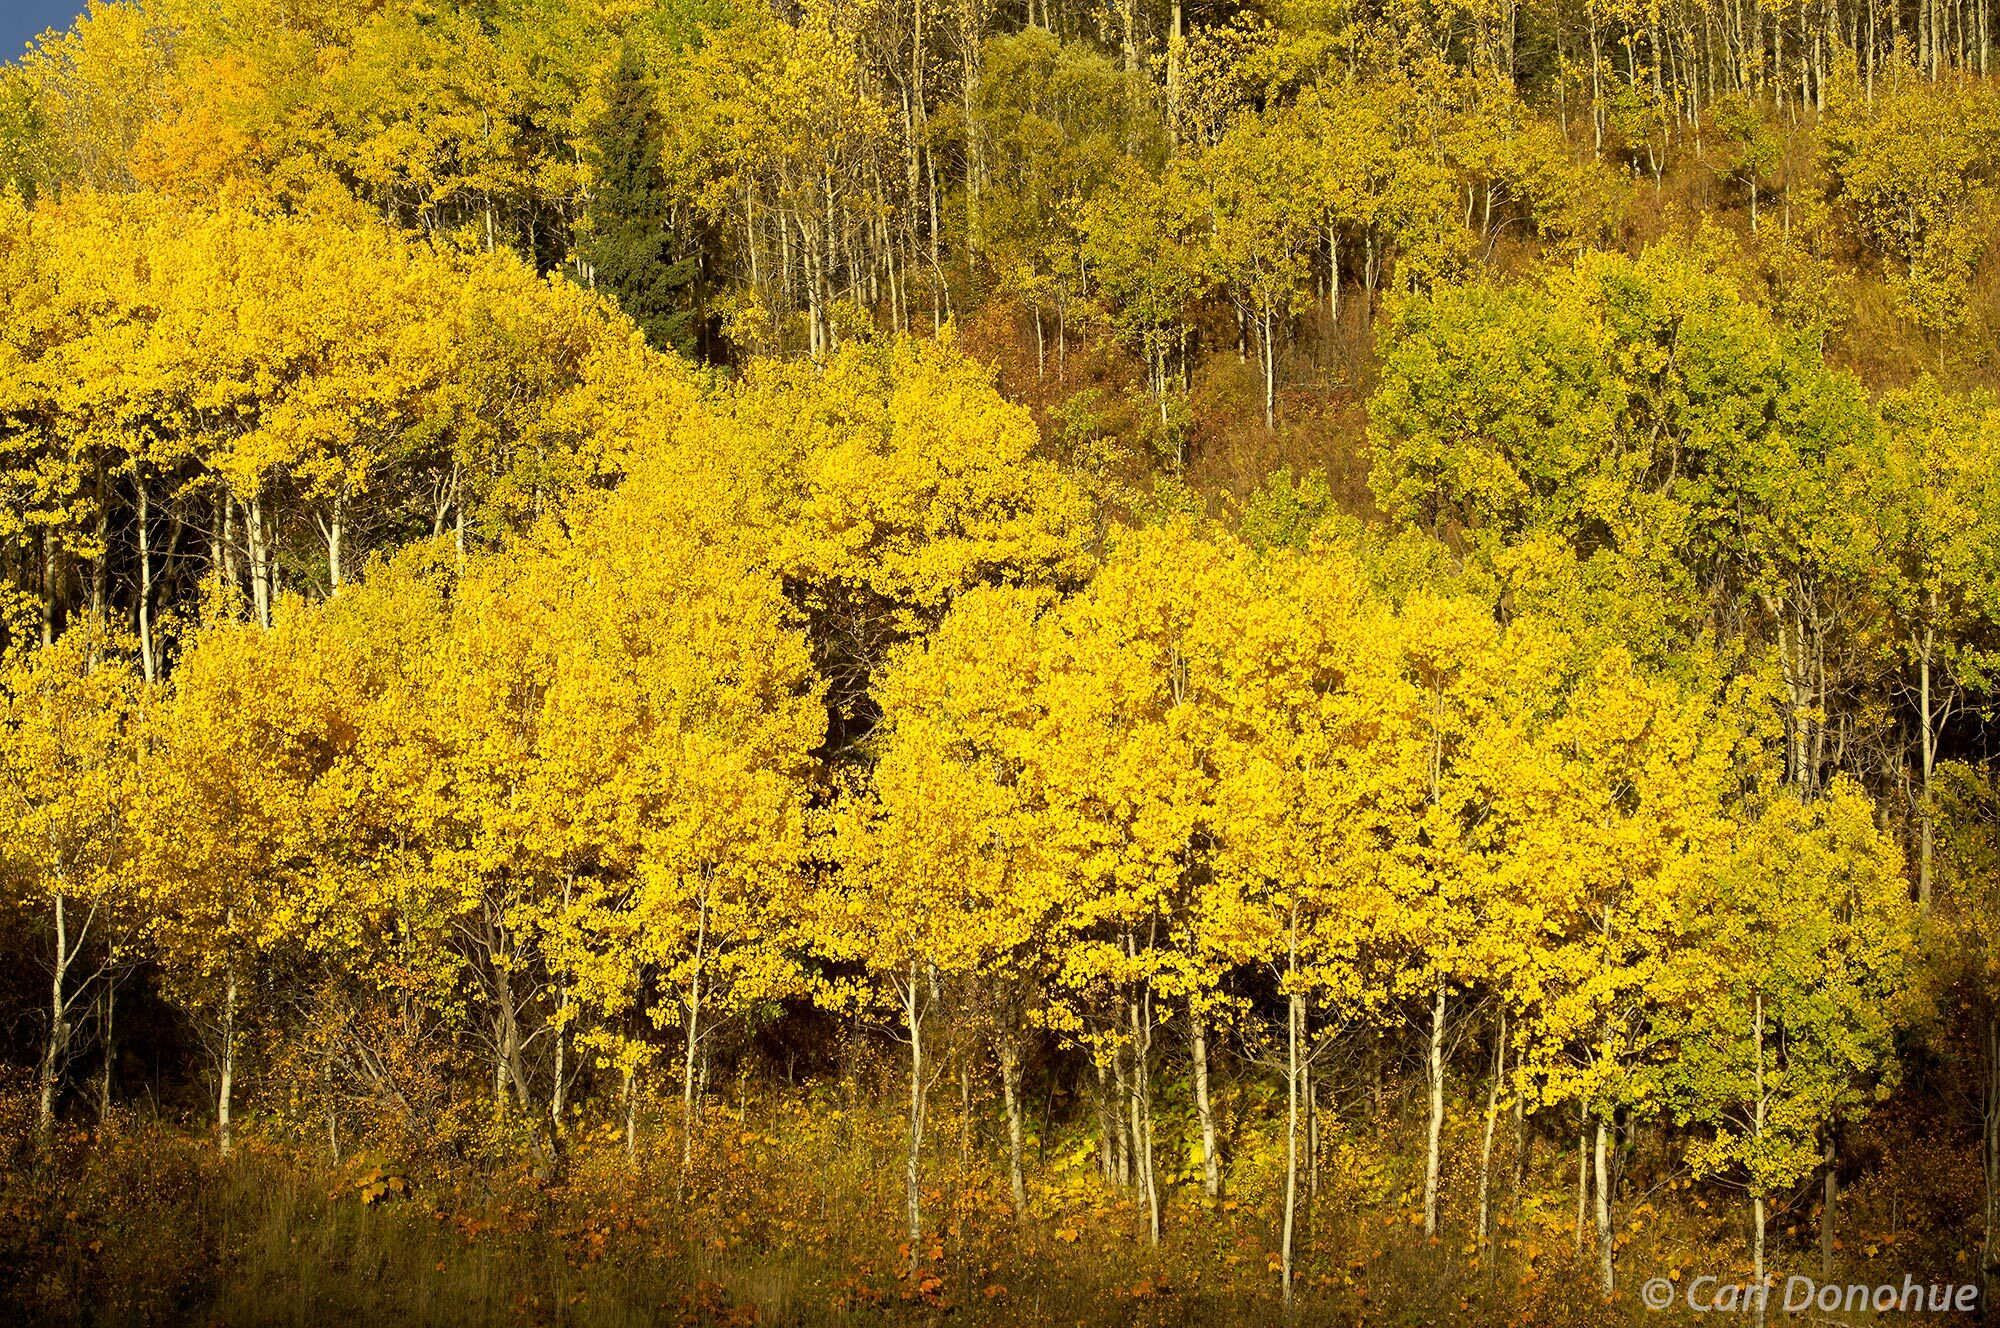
{"points": [[1220, 661]]}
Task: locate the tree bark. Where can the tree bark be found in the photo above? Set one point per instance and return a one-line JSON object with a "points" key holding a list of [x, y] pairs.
{"points": [[1270, 372], [335, 531], [629, 1098], [558, 1090], [1107, 1149], [1521, 1141], [48, 588], [55, 1050], [1990, 1245], [1310, 1094], [1141, 1013], [1927, 723], [1128, 44], [1010, 1092], [332, 1116], [148, 661], [1294, 1016], [225, 1080], [1211, 1167], [1757, 1255], [1582, 1178], [913, 1021], [1602, 1156], [1492, 1118], [693, 1035], [107, 1005], [1435, 1135], [965, 1122], [1757, 1138], [260, 560], [100, 565]]}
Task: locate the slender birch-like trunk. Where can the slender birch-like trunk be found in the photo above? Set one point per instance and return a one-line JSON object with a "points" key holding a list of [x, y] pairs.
{"points": [[688, 1061], [1010, 1092], [1211, 1167], [1928, 723], [1602, 1157], [55, 1049], [629, 1098], [254, 534], [1582, 1178], [1435, 1135], [147, 660], [1990, 1245], [1757, 1139], [1294, 1016], [107, 1006], [913, 1022], [225, 1079], [1492, 1118], [1141, 1015]]}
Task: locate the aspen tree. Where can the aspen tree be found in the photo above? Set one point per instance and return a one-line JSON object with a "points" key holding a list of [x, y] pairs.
{"points": [[668, 778], [1926, 514], [926, 880], [70, 715], [228, 832], [1793, 991], [1264, 238], [1441, 866], [1313, 774], [1144, 239], [897, 477], [1627, 803], [964, 705], [1128, 769]]}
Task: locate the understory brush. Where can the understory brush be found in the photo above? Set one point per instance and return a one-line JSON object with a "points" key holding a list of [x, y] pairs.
{"points": [[790, 1214]]}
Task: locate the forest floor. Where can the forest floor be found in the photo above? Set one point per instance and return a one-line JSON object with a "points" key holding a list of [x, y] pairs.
{"points": [[791, 1215]]}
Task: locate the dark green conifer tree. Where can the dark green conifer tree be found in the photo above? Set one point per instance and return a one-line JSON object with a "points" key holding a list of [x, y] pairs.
{"points": [[638, 247]]}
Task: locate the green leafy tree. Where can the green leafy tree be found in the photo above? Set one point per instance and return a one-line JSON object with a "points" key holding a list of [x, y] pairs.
{"points": [[1790, 992]]}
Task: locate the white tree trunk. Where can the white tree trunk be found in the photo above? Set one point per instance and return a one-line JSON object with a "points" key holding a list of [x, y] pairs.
{"points": [[1582, 1180], [1010, 1091], [629, 1096], [336, 532], [147, 659], [912, 1167], [1603, 1177], [1757, 1137], [1492, 1118], [1294, 1016], [1211, 1166], [55, 1050], [1990, 1246], [260, 560], [688, 1061], [1270, 374], [225, 1079], [1433, 1155], [1927, 725], [1141, 1011]]}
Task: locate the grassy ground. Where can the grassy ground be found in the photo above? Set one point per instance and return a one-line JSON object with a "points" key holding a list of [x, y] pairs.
{"points": [[791, 1215]]}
